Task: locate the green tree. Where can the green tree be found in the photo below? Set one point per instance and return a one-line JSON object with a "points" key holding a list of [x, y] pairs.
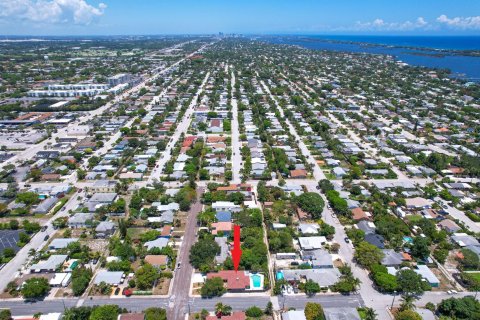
{"points": [[27, 198], [311, 203], [213, 288], [470, 260], [368, 255], [462, 308], [81, 174], [5, 314], [77, 313], [8, 253], [420, 248], [203, 252], [370, 314], [35, 288], [410, 282], [407, 315], [222, 309], [145, 276], [311, 287], [105, 312], [254, 312], [80, 279], [385, 281], [314, 311], [155, 314]]}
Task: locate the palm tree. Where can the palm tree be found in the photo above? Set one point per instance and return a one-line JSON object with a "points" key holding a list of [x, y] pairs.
{"points": [[355, 282], [222, 309], [408, 302], [370, 314]]}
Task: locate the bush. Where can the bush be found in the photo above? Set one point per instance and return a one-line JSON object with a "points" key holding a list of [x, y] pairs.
{"points": [[213, 288], [254, 312], [34, 288], [407, 315], [461, 309], [311, 203], [80, 279]]}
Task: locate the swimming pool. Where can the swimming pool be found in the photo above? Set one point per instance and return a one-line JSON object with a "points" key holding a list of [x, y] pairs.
{"points": [[256, 280], [279, 275], [408, 239]]}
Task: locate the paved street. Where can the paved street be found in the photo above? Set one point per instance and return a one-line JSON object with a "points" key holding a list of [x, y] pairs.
{"points": [[11, 269], [367, 292], [236, 144], [183, 275], [460, 215], [181, 128]]}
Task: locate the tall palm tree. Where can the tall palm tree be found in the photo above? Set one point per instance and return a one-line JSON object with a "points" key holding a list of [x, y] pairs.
{"points": [[222, 309], [370, 314], [408, 302]]}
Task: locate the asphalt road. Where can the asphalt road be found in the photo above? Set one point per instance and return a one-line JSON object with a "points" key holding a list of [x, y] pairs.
{"points": [[181, 128], [181, 282], [236, 144], [191, 304], [17, 264]]}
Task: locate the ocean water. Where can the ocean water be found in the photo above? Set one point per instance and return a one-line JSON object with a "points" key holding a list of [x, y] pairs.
{"points": [[417, 51], [430, 42]]}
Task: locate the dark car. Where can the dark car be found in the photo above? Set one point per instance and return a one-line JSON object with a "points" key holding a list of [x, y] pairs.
{"points": [[117, 291], [46, 237], [347, 240]]}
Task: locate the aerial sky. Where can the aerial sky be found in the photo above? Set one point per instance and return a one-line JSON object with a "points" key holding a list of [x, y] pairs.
{"points": [[143, 17]]}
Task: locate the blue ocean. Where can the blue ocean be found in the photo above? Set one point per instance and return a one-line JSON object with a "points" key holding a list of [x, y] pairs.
{"points": [[426, 51]]}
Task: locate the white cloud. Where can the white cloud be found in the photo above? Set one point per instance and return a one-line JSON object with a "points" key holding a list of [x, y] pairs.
{"points": [[51, 11], [381, 25], [463, 23]]}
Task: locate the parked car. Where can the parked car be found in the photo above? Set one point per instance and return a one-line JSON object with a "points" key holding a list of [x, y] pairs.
{"points": [[46, 237], [347, 240]]}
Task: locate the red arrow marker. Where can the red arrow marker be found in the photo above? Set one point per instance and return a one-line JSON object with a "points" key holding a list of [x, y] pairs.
{"points": [[236, 252]]}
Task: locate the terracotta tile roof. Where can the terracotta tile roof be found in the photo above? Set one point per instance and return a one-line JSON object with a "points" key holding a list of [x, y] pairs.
{"points": [[156, 260], [239, 315], [51, 176], [234, 280], [406, 256], [298, 173], [456, 170], [188, 141], [301, 214], [221, 226], [215, 123], [166, 230], [132, 316], [215, 139], [236, 187], [359, 214]]}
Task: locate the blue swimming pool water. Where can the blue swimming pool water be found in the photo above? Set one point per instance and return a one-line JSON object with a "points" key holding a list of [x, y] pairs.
{"points": [[408, 239], [256, 280], [279, 276]]}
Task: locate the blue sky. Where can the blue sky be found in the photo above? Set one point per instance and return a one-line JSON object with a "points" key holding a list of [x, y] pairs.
{"points": [[107, 17]]}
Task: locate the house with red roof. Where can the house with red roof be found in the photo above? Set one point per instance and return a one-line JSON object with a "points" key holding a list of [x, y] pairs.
{"points": [[239, 315], [233, 280], [225, 227], [188, 141]]}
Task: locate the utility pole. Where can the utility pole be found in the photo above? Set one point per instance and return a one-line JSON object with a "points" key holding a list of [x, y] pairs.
{"points": [[393, 301]]}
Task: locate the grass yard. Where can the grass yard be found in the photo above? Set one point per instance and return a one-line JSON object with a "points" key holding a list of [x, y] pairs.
{"points": [[475, 275]]}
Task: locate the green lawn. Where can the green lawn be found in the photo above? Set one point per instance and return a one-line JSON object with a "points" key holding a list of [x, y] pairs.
{"points": [[362, 313], [135, 233], [414, 217], [475, 275]]}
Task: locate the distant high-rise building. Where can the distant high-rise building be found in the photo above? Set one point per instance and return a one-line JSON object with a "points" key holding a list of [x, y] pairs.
{"points": [[118, 79]]}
